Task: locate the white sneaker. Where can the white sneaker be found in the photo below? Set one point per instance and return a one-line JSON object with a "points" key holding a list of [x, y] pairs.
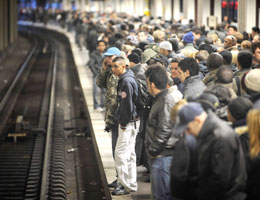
{"points": [[99, 109]]}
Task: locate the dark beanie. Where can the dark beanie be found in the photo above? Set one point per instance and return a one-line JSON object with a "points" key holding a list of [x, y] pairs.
{"points": [[133, 57], [239, 107]]}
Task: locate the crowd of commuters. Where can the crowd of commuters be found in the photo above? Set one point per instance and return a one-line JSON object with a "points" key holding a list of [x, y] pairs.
{"points": [[199, 132]]}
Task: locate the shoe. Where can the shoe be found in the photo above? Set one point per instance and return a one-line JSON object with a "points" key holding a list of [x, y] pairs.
{"points": [[147, 180], [119, 191], [99, 109], [113, 184]]}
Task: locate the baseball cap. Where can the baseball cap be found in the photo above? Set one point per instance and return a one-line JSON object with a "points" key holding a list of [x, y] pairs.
{"points": [[112, 51], [187, 114], [166, 45]]}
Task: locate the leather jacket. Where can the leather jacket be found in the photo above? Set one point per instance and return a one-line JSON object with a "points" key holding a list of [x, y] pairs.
{"points": [[160, 138]]}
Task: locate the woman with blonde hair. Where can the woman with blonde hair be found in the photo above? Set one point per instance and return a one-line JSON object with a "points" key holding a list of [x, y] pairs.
{"points": [[253, 180]]}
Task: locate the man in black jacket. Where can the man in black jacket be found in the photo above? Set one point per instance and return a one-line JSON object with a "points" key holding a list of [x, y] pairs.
{"points": [[221, 162], [125, 157], [159, 138]]}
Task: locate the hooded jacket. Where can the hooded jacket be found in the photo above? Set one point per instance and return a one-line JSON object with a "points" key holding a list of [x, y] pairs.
{"points": [[127, 92]]}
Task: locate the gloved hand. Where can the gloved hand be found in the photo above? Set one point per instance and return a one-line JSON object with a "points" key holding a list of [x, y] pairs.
{"points": [[108, 127]]}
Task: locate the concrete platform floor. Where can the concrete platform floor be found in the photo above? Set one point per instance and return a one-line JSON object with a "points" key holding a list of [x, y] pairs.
{"points": [[103, 138]]}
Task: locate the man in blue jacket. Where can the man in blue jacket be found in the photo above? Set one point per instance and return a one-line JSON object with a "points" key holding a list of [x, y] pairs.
{"points": [[125, 157]]}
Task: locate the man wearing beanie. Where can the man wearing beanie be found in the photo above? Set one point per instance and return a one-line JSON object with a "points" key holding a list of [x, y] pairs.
{"points": [[165, 48], [238, 109], [139, 73], [237, 113], [251, 82], [188, 49], [136, 66]]}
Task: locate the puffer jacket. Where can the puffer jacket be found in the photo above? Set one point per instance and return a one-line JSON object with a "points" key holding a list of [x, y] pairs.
{"points": [[160, 138]]}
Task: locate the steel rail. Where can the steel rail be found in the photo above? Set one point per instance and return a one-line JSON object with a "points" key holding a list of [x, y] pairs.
{"points": [[19, 74], [45, 172]]}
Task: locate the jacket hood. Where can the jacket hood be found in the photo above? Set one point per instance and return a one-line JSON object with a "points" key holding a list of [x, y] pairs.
{"points": [[128, 73]]}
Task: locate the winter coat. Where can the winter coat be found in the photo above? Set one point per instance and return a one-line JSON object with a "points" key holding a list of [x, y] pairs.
{"points": [[210, 78], [95, 62], [159, 138], [106, 79], [253, 179], [193, 87], [222, 167], [127, 92], [184, 169], [253, 165]]}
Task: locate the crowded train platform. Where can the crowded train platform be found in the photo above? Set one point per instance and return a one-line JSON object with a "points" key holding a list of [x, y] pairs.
{"points": [[175, 106]]}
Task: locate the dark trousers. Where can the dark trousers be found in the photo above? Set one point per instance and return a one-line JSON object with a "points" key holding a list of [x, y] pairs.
{"points": [[114, 135]]}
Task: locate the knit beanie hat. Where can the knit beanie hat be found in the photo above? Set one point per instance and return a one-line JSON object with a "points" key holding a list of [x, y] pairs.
{"points": [[252, 80], [133, 57], [239, 107], [166, 45], [188, 37], [138, 51]]}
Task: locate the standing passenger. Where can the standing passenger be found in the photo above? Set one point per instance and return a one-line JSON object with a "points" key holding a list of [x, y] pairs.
{"points": [[221, 161], [95, 64], [125, 157], [159, 138], [106, 79]]}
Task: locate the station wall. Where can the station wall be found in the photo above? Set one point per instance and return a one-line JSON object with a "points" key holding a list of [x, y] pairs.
{"points": [[8, 23]]}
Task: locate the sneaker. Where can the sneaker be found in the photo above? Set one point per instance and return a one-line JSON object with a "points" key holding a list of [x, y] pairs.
{"points": [[119, 191], [113, 184], [99, 109]]}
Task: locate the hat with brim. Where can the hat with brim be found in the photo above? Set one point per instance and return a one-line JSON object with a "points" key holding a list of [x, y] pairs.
{"points": [[148, 54], [113, 51], [187, 114]]}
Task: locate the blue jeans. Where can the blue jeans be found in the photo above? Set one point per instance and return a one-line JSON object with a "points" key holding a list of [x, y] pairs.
{"points": [[161, 178]]}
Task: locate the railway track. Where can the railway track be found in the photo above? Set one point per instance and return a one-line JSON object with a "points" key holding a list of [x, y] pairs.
{"points": [[33, 141]]}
